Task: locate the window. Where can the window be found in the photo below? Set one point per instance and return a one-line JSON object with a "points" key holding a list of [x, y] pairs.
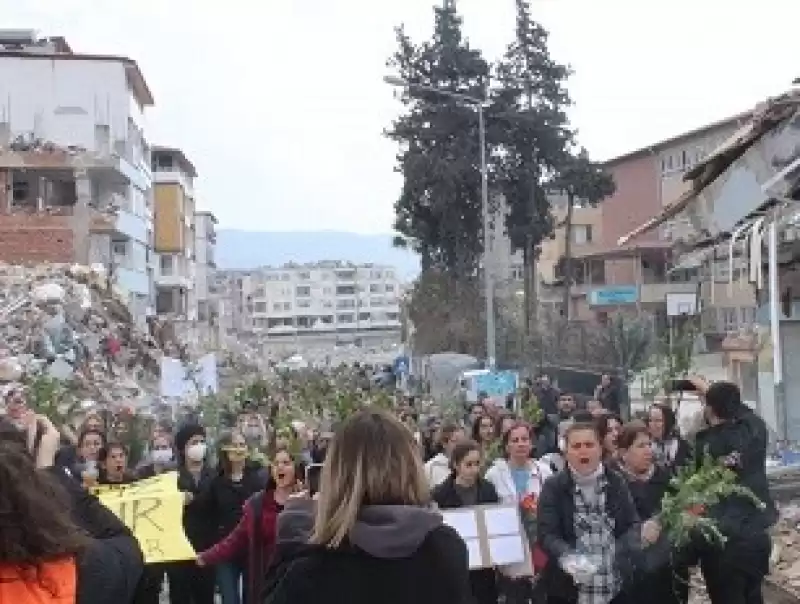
{"points": [[389, 287], [581, 234], [20, 189], [345, 290], [345, 304], [287, 306], [285, 276], [326, 291], [348, 318], [376, 275], [375, 288], [517, 273], [327, 304], [277, 306], [729, 318], [120, 248], [304, 275], [302, 291], [304, 304], [597, 271], [376, 301], [363, 316], [260, 307], [260, 293]]}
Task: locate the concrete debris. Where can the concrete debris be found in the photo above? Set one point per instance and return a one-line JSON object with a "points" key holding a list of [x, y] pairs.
{"points": [[65, 322]]}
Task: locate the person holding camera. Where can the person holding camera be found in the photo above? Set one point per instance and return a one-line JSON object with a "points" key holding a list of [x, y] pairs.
{"points": [[737, 437]]}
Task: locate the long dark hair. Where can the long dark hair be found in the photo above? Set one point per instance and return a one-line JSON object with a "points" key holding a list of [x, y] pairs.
{"points": [[35, 526]]}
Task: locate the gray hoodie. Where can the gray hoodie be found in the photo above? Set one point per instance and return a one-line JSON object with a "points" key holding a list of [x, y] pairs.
{"points": [[382, 531]]}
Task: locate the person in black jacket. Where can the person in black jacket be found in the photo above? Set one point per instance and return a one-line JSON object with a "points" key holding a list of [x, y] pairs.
{"points": [[663, 576], [465, 487], [738, 437], [375, 539], [189, 583], [67, 532], [588, 526], [236, 481]]}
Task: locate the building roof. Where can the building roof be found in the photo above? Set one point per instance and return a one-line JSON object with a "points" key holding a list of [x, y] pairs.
{"points": [[183, 161], [763, 119], [674, 140], [208, 213], [132, 71]]}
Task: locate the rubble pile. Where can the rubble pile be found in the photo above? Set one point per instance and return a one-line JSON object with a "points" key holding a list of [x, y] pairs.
{"points": [[64, 322]]}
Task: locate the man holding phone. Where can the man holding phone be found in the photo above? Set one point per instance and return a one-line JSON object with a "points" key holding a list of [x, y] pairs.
{"points": [[737, 437]]}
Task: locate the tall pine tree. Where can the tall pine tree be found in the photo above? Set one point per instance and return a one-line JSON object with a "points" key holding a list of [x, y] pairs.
{"points": [[529, 120], [438, 212]]}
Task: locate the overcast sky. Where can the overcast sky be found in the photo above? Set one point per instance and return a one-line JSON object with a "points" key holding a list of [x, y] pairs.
{"points": [[281, 104]]}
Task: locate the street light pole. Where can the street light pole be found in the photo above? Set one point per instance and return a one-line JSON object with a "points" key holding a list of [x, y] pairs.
{"points": [[488, 238]]}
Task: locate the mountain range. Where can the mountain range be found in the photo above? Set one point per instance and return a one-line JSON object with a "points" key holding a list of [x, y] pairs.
{"points": [[238, 249]]}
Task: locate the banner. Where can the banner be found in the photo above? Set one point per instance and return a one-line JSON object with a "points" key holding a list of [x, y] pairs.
{"points": [[153, 509], [493, 534]]}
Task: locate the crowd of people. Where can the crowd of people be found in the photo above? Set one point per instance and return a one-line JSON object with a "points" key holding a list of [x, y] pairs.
{"points": [[350, 510]]}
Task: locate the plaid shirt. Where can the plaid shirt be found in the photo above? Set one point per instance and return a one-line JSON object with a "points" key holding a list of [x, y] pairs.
{"points": [[594, 529]]}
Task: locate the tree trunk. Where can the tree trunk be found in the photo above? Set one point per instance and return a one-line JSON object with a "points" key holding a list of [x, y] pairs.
{"points": [[526, 289], [568, 254]]}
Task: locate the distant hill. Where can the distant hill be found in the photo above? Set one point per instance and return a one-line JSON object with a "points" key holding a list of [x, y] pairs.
{"points": [[250, 249]]}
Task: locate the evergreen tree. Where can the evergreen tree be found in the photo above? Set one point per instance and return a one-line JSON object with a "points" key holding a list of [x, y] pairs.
{"points": [[585, 181], [438, 213], [530, 123]]}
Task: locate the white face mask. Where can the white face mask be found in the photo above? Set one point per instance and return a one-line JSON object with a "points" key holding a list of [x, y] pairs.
{"points": [[196, 452], [161, 456]]}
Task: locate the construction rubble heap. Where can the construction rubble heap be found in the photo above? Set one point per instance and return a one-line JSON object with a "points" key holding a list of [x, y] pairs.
{"points": [[65, 322]]}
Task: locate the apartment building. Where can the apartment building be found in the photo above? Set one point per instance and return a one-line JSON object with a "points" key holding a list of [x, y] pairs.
{"points": [[640, 276], [174, 229], [74, 161], [205, 238], [508, 269], [332, 297]]}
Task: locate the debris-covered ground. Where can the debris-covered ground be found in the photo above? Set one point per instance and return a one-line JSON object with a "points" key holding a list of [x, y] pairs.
{"points": [[64, 322]]}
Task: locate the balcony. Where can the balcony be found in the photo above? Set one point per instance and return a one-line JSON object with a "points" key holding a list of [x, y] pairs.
{"points": [[657, 292]]}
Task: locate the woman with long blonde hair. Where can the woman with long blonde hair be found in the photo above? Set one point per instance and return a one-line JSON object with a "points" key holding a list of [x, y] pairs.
{"points": [[376, 537]]}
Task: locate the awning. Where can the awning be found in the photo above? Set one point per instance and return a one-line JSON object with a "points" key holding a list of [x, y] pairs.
{"points": [[765, 117]]}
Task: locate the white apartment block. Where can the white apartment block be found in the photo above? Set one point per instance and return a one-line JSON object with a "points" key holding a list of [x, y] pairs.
{"points": [[72, 140], [327, 297], [205, 237]]}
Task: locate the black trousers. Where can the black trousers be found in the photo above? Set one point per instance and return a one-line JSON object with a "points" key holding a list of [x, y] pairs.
{"points": [[190, 584], [728, 585], [148, 591]]}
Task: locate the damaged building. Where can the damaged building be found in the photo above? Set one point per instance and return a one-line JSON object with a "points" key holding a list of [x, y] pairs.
{"points": [[740, 207], [75, 162]]}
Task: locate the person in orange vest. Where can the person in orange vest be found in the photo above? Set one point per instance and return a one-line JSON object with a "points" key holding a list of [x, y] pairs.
{"points": [[45, 556]]}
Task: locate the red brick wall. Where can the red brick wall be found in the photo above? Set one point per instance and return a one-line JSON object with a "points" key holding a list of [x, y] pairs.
{"points": [[35, 239]]}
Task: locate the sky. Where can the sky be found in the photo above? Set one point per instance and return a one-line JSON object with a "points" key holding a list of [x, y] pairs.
{"points": [[281, 104]]}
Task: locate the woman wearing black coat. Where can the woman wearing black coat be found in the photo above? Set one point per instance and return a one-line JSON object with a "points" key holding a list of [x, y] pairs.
{"points": [[587, 509], [465, 487], [662, 575]]}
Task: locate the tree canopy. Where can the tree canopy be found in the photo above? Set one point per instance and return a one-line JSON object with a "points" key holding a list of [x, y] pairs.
{"points": [[438, 213]]}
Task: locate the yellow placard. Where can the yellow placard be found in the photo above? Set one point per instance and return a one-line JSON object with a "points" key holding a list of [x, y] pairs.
{"points": [[153, 509]]}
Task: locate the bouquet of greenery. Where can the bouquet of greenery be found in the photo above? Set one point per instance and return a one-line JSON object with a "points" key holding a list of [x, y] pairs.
{"points": [[694, 490]]}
